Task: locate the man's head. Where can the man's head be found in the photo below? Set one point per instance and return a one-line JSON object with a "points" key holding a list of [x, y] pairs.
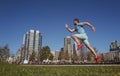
{"points": [[75, 21]]}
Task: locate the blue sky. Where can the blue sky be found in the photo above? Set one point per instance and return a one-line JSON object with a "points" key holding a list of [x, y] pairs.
{"points": [[49, 16]]}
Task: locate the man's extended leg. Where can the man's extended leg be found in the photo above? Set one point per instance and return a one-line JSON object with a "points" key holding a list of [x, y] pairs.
{"points": [[77, 41], [94, 53], [91, 49]]}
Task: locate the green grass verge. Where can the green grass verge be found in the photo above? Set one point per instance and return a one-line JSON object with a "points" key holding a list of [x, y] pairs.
{"points": [[15, 70]]}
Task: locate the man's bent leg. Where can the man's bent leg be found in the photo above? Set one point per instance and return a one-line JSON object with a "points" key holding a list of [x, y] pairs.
{"points": [[77, 41]]}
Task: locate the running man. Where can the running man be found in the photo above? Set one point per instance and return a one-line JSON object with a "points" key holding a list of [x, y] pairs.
{"points": [[82, 36]]}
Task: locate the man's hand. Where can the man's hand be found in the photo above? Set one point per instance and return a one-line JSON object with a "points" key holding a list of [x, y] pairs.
{"points": [[66, 26], [93, 28]]}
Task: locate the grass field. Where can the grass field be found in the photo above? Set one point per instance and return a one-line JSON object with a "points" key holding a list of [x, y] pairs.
{"points": [[16, 70]]}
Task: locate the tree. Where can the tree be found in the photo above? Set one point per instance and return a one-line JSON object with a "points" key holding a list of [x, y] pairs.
{"points": [[89, 55], [66, 55], [32, 56], [51, 56], [0, 58], [74, 56], [102, 57], [82, 53], [45, 53], [18, 60], [4, 52], [0, 52]]}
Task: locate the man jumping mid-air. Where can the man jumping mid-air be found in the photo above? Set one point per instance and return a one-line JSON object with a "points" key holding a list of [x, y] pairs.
{"points": [[82, 36]]}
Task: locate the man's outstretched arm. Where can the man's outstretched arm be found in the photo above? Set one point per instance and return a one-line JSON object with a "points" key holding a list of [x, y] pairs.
{"points": [[70, 30], [90, 25]]}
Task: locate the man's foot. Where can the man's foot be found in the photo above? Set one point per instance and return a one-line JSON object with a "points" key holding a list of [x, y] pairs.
{"points": [[97, 59], [79, 46]]}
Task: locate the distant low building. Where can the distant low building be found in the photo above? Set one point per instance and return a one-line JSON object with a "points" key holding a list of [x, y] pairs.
{"points": [[113, 56]]}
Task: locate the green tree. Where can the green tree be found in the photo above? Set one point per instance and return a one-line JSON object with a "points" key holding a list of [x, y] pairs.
{"points": [[0, 58], [32, 56], [74, 56], [66, 55], [45, 53], [4, 52], [51, 56]]}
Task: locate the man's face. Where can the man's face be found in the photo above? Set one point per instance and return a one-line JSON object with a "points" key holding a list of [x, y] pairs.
{"points": [[75, 22]]}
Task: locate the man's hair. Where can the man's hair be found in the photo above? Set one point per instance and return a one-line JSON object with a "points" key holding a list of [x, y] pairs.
{"points": [[76, 19]]}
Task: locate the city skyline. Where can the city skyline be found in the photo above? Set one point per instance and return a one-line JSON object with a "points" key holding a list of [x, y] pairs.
{"points": [[49, 17]]}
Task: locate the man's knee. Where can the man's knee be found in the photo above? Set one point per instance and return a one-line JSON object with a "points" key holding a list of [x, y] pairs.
{"points": [[73, 36]]}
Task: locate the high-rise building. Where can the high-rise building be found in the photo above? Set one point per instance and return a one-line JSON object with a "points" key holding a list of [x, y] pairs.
{"points": [[57, 54], [32, 41], [68, 46]]}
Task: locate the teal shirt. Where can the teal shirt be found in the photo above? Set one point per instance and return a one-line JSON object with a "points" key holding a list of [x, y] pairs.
{"points": [[79, 28]]}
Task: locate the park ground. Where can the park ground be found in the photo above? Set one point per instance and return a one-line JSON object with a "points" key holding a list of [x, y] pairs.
{"points": [[58, 70]]}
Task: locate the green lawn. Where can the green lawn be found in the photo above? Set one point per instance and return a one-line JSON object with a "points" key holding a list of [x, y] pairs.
{"points": [[16, 70]]}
